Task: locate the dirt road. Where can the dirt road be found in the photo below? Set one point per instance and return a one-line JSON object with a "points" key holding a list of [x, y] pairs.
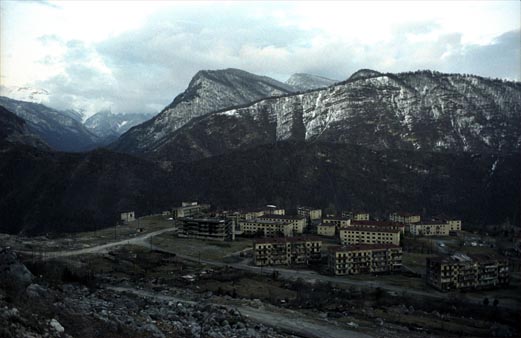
{"points": [[291, 322]]}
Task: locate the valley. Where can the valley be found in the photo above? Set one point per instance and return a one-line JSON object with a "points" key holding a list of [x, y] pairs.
{"points": [[186, 287]]}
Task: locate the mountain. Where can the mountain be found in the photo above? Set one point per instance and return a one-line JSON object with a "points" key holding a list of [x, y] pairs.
{"points": [[303, 82], [58, 129], [28, 94], [66, 192], [14, 129], [109, 126], [208, 91], [423, 111], [52, 192]]}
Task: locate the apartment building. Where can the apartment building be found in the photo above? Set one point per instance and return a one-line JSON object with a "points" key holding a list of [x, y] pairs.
{"points": [[380, 225], [189, 209], [298, 222], [206, 228], [461, 271], [265, 227], [365, 235], [434, 228], [312, 214], [356, 215], [364, 258], [339, 222], [404, 217], [328, 230], [287, 250]]}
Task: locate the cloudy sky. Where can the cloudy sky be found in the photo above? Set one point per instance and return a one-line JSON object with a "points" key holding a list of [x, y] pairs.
{"points": [[137, 56]]}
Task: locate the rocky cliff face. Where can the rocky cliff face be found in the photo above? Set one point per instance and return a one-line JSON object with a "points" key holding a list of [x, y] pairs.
{"points": [[58, 129], [302, 81], [422, 111], [207, 92]]}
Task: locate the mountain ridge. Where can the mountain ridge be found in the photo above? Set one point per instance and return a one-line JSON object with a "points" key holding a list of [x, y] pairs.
{"points": [[424, 111]]}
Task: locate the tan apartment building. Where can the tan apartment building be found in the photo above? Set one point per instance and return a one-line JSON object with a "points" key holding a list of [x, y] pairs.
{"points": [[339, 222], [206, 228], [404, 217], [298, 222], [364, 258], [189, 209], [356, 215], [461, 271], [328, 230], [287, 250], [364, 235], [434, 228], [313, 214], [265, 227], [380, 225]]}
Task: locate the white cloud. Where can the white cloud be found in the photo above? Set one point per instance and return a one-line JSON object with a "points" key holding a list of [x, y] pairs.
{"points": [[136, 56]]}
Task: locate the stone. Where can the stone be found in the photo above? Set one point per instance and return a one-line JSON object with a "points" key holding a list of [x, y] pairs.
{"points": [[153, 329], [56, 326]]}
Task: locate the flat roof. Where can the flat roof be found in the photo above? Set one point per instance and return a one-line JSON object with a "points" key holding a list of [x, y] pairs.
{"points": [[203, 220], [361, 228], [362, 247], [287, 239], [432, 223], [405, 214], [378, 223], [262, 221], [282, 217]]}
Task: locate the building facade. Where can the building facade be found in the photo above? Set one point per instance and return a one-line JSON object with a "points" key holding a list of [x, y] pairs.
{"points": [[313, 214], [434, 228], [404, 217], [287, 250], [206, 228], [339, 222], [127, 217], [365, 235], [328, 230], [265, 228], [298, 222], [189, 209], [380, 225], [461, 271], [364, 258], [356, 215]]}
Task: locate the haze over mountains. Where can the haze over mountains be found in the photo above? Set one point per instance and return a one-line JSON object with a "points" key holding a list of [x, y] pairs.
{"points": [[424, 141]]}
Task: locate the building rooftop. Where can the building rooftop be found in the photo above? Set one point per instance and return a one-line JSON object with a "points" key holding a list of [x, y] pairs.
{"points": [[362, 247], [292, 217], [435, 222], [337, 218], [326, 225], [361, 228], [466, 258], [405, 214], [377, 223], [262, 221], [203, 220], [287, 239]]}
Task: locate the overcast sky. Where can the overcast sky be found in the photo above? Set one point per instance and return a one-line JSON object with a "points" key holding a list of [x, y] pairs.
{"points": [[137, 56]]}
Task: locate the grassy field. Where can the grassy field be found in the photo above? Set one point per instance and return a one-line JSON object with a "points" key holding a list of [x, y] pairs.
{"points": [[86, 239], [205, 249]]}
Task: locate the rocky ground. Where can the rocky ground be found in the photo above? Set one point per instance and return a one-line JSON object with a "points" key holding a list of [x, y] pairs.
{"points": [[134, 292]]}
